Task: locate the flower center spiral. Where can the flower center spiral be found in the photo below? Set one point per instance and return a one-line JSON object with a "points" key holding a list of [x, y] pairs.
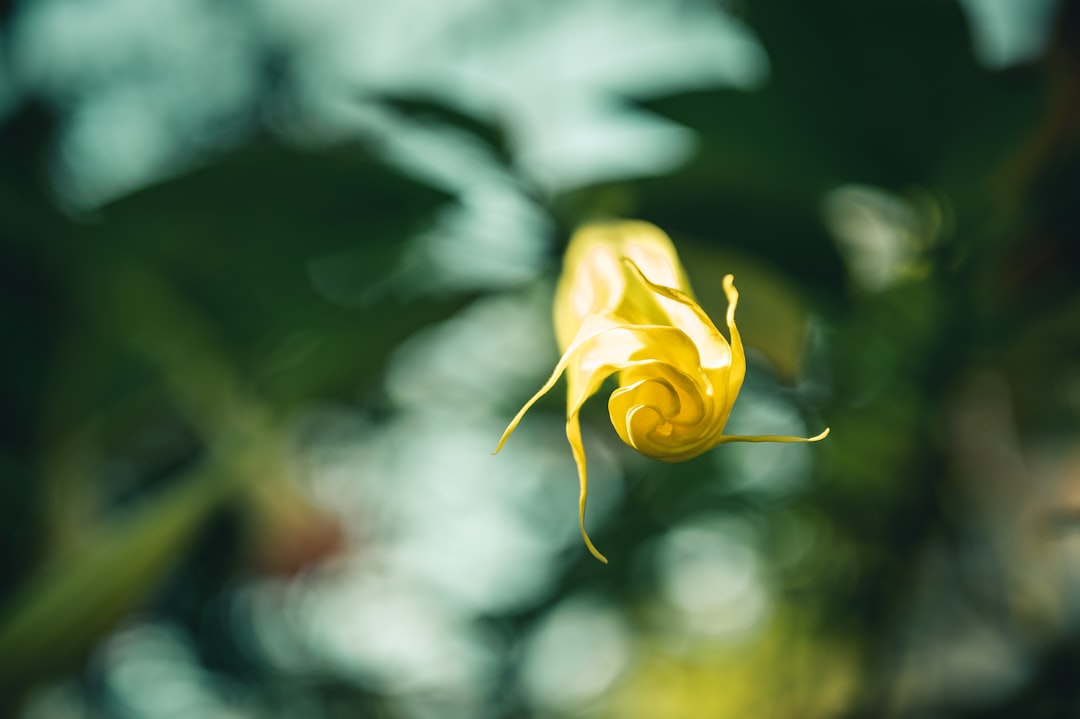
{"points": [[659, 410]]}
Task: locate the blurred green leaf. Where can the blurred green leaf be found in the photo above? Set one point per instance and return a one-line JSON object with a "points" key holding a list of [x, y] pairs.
{"points": [[56, 617], [840, 108], [236, 238], [433, 110], [194, 296], [233, 247]]}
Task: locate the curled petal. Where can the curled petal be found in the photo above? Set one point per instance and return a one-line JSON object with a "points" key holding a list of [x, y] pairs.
{"points": [[738, 356], [623, 307], [681, 408], [591, 359], [686, 314], [596, 281], [600, 351]]}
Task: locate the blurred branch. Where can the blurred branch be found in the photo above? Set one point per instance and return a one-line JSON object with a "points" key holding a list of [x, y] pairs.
{"points": [[63, 610], [59, 613]]}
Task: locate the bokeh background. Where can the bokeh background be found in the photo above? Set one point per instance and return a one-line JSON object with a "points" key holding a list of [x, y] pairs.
{"points": [[274, 276]]}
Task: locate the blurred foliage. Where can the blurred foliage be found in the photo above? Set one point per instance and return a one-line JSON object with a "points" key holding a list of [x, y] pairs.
{"points": [[186, 307], [157, 345]]}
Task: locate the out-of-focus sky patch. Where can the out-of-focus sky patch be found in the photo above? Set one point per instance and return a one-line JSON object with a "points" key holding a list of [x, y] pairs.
{"points": [[485, 532], [373, 626], [395, 636], [141, 104], [466, 521], [883, 238], [145, 104], [576, 653], [265, 617], [464, 364], [1009, 32], [710, 575], [493, 237], [442, 533], [571, 128], [480, 57], [152, 671], [571, 152], [451, 383]]}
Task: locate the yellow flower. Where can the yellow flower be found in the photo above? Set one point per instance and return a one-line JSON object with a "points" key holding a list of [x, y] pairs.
{"points": [[623, 306]]}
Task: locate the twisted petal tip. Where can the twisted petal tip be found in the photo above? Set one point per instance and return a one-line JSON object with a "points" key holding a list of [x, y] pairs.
{"points": [[593, 550]]}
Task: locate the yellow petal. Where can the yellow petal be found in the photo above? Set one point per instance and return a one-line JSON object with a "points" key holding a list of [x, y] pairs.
{"points": [[594, 278], [602, 350], [577, 447], [771, 438], [738, 356], [623, 307]]}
